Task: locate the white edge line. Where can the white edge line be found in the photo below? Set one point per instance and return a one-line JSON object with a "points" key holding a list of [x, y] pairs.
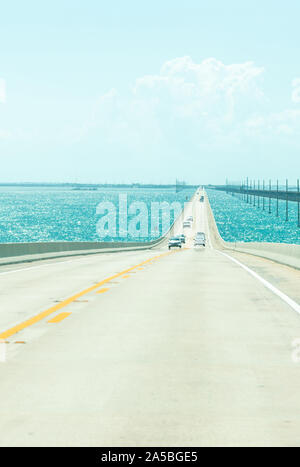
{"points": [[55, 263], [267, 284], [34, 267], [294, 305]]}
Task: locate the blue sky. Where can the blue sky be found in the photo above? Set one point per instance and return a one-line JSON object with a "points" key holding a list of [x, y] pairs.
{"points": [[116, 91]]}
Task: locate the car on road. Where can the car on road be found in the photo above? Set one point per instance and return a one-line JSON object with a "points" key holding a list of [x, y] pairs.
{"points": [[187, 224], [174, 242], [200, 239], [190, 219], [202, 199]]}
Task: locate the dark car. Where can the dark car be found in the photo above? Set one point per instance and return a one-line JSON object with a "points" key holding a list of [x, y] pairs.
{"points": [[174, 242]]}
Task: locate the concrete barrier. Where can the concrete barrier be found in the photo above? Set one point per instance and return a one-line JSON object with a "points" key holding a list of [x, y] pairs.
{"points": [[21, 249], [28, 252], [282, 253], [279, 252]]}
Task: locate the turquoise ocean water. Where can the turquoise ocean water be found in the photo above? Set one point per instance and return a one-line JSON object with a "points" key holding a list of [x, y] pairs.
{"points": [[239, 221], [45, 214], [35, 214]]}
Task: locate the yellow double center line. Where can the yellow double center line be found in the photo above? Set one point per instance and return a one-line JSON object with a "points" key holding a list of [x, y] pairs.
{"points": [[35, 319]]}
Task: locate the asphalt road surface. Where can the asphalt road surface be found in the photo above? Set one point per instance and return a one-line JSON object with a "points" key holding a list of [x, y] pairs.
{"points": [[150, 348]]}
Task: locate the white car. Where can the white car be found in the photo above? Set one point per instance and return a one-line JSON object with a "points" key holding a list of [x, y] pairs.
{"points": [[187, 224], [200, 239]]}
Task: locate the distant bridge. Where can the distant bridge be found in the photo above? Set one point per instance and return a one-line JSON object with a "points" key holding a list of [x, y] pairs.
{"points": [[290, 195], [256, 193]]}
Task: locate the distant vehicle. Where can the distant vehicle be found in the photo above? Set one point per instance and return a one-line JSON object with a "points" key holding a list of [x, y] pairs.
{"points": [[190, 219], [187, 224], [182, 238], [174, 242], [202, 199], [200, 239]]}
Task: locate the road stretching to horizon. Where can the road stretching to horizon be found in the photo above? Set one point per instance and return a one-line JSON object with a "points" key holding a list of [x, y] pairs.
{"points": [[150, 348]]}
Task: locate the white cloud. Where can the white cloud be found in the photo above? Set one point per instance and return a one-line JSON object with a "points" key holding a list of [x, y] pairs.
{"points": [[188, 111], [211, 75], [210, 88], [296, 91], [190, 108], [186, 102], [2, 91]]}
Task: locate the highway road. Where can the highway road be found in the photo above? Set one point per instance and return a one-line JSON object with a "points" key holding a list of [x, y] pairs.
{"points": [[150, 348]]}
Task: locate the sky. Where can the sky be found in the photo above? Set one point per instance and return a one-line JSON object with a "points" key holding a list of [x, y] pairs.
{"points": [[134, 91]]}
